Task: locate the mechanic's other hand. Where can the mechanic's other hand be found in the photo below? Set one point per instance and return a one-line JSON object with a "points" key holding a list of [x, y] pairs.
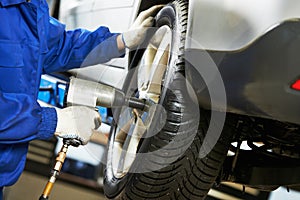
{"points": [[77, 122], [136, 33]]}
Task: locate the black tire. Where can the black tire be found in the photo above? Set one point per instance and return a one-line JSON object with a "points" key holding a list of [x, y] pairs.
{"points": [[169, 166]]}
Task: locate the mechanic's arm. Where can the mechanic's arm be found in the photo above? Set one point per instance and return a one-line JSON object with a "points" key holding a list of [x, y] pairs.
{"points": [[80, 47], [23, 120]]}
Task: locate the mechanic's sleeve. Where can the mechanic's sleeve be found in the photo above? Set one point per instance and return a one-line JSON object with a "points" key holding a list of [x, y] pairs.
{"points": [[23, 120], [78, 48]]}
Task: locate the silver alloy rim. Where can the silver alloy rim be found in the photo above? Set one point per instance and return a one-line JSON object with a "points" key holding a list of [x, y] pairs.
{"points": [[133, 123]]}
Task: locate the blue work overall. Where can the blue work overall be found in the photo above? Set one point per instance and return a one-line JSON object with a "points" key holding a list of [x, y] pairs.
{"points": [[31, 44]]}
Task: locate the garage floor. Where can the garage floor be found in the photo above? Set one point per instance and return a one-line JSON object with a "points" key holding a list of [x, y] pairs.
{"points": [[30, 187]]}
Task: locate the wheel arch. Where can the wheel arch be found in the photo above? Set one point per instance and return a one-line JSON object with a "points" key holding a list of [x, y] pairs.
{"points": [[145, 4]]}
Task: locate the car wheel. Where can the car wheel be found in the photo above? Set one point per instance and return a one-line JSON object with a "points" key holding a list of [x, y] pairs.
{"points": [[155, 153]]}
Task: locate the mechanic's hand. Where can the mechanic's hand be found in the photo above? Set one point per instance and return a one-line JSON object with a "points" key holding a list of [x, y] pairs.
{"points": [[77, 122], [136, 33]]}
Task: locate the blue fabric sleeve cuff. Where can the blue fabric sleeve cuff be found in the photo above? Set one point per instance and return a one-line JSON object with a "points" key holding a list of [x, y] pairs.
{"points": [[123, 40], [104, 52], [115, 52], [48, 123]]}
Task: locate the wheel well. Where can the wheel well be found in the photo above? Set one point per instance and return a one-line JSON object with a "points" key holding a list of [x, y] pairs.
{"points": [[147, 4]]}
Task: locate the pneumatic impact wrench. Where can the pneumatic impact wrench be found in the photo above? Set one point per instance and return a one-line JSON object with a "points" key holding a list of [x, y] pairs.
{"points": [[92, 94]]}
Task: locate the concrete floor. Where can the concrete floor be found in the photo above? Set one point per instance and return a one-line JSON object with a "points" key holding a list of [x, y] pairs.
{"points": [[30, 186]]}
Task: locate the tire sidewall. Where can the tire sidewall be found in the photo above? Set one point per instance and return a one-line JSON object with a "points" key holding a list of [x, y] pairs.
{"points": [[114, 187]]}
